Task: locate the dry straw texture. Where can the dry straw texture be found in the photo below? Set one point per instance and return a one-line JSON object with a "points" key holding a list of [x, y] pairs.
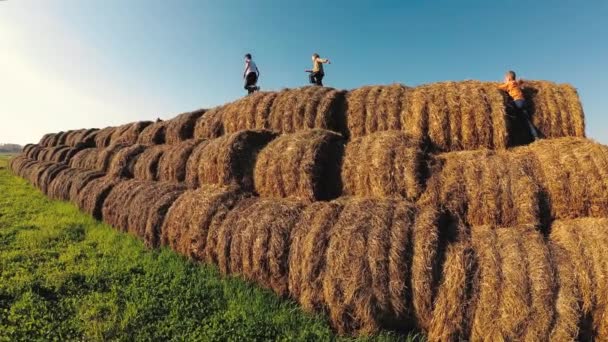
{"points": [[259, 249], [85, 159], [59, 188], [188, 220], [92, 196], [195, 159], [304, 165], [583, 244], [80, 180], [181, 127], [32, 151], [555, 108], [157, 213], [130, 134], [367, 266], [384, 164], [573, 173], [123, 162], [103, 137], [172, 164], [146, 165], [85, 137], [515, 286], [250, 112], [115, 209], [144, 205], [210, 125], [449, 116], [287, 111], [230, 160], [105, 156], [154, 134], [484, 188]]}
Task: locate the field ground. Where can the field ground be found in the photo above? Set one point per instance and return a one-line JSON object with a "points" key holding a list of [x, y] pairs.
{"points": [[66, 276]]}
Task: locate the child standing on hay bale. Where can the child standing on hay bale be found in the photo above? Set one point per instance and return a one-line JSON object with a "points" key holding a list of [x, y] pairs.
{"points": [[251, 75], [317, 73], [513, 87]]}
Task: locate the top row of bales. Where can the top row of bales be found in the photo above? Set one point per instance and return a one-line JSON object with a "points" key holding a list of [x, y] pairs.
{"points": [[445, 116]]}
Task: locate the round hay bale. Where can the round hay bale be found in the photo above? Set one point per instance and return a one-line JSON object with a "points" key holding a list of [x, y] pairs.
{"points": [[54, 139], [123, 162], [156, 217], [85, 159], [84, 137], [115, 209], [130, 135], [47, 176], [222, 233], [573, 175], [34, 174], [80, 180], [449, 116], [230, 160], [16, 163], [372, 109], [103, 137], [33, 152], [92, 196], [119, 132], [308, 253], [367, 266], [210, 125], [172, 164], [484, 188], [44, 141], [384, 164], [449, 318], [307, 107], [433, 232], [193, 163], [584, 243], [105, 156], [568, 311], [154, 134], [70, 135], [181, 127], [59, 187], [556, 109], [44, 153], [146, 165], [56, 152], [62, 137], [66, 156], [187, 222], [27, 148], [303, 165], [520, 294], [138, 209], [260, 243], [249, 112]]}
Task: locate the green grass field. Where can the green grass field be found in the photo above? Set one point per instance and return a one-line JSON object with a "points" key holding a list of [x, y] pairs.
{"points": [[65, 276]]}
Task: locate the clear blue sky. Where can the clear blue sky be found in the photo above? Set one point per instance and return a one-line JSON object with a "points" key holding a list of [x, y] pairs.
{"points": [[79, 63]]}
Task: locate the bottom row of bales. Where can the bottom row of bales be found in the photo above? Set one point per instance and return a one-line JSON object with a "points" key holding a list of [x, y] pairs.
{"points": [[375, 263]]}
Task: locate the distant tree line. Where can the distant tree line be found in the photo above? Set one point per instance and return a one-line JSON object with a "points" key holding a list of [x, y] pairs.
{"points": [[10, 148]]}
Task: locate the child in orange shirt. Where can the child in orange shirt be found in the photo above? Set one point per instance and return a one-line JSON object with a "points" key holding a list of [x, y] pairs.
{"points": [[513, 87]]}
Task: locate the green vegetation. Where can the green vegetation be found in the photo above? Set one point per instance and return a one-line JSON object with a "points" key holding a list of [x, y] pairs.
{"points": [[65, 276]]}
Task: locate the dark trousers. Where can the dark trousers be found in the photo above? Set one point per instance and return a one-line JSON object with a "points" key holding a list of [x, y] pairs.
{"points": [[521, 106], [250, 81], [316, 78]]}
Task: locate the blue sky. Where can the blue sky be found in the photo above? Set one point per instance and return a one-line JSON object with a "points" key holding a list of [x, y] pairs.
{"points": [[69, 64]]}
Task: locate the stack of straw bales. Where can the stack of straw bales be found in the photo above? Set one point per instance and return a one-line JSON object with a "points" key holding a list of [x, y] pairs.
{"points": [[385, 207]]}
